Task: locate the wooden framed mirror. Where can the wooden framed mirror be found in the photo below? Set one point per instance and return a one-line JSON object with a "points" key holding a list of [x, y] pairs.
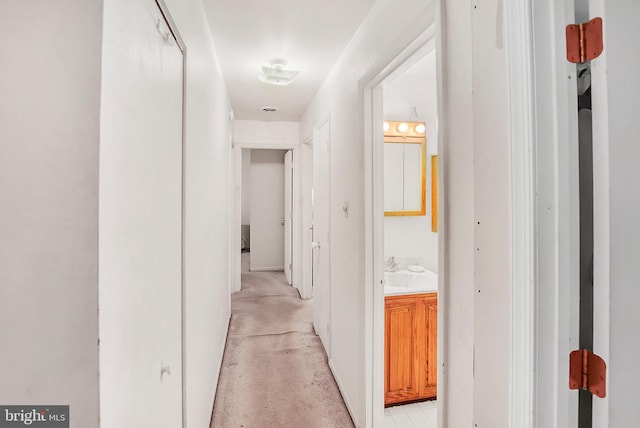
{"points": [[405, 157]]}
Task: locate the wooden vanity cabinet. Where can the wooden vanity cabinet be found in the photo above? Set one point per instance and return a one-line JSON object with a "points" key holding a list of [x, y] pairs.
{"points": [[410, 347]]}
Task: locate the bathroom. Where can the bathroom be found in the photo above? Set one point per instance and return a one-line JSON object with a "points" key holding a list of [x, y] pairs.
{"points": [[411, 244]]}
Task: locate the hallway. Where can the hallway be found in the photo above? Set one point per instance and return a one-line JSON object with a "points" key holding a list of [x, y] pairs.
{"points": [[274, 372]]}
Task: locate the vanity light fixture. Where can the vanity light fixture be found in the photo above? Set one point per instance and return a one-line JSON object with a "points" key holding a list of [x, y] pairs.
{"points": [[402, 127], [276, 74]]}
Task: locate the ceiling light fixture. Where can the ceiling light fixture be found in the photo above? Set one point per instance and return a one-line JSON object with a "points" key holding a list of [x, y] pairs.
{"points": [[269, 109], [276, 74]]}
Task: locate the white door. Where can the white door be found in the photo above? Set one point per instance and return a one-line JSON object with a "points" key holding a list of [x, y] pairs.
{"points": [[321, 234], [140, 231], [616, 153], [288, 214]]}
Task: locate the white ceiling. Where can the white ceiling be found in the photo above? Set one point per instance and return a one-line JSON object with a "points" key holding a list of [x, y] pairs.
{"points": [[309, 34]]}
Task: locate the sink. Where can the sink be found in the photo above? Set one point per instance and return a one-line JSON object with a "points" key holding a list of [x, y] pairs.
{"points": [[406, 282]]}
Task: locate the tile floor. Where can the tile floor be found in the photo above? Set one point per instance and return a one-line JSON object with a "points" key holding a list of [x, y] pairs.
{"points": [[415, 415]]}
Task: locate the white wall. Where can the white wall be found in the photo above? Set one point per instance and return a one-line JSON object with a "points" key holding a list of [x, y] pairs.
{"points": [[206, 221], [474, 103], [456, 161], [267, 208], [410, 237], [262, 134], [49, 118], [492, 216]]}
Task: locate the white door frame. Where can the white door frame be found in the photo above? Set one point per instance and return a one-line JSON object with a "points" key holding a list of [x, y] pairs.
{"points": [[548, 97], [306, 184], [523, 216], [288, 216], [236, 217], [321, 331]]}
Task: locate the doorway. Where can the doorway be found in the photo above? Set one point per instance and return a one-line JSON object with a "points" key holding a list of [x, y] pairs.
{"points": [[418, 47], [267, 210], [410, 241]]}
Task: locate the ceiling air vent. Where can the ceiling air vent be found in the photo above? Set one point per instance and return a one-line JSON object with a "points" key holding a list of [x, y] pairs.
{"points": [[269, 109]]}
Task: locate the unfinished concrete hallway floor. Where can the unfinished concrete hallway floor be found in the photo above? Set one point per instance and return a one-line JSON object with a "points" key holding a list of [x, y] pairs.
{"points": [[275, 372]]}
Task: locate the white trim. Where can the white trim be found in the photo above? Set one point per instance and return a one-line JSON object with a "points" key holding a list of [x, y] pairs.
{"points": [[345, 398], [219, 368], [414, 42], [522, 121]]}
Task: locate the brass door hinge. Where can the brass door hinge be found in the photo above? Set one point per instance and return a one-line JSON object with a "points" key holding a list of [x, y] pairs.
{"points": [[584, 41], [588, 371]]}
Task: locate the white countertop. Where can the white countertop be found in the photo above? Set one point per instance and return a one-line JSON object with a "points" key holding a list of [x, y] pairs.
{"points": [[406, 282]]}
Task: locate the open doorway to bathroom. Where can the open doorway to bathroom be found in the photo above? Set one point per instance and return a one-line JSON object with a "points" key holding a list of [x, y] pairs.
{"points": [[403, 175], [410, 223]]}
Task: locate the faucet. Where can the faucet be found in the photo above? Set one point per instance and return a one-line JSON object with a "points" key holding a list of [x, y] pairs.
{"points": [[392, 265]]}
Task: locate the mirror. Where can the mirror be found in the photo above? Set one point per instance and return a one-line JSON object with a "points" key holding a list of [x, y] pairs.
{"points": [[405, 151]]}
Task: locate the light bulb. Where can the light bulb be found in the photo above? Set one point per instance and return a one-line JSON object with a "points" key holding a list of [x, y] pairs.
{"points": [[385, 126], [420, 129], [403, 127]]}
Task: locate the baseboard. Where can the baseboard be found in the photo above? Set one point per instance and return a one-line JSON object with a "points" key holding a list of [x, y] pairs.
{"points": [[266, 268], [355, 420], [224, 347]]}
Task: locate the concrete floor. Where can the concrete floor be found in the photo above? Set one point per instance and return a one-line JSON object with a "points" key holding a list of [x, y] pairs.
{"points": [[275, 372]]}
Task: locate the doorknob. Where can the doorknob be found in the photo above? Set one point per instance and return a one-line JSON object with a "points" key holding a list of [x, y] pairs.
{"points": [[282, 221], [315, 244]]}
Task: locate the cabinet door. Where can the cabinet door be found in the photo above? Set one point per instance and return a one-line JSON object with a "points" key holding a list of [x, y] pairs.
{"points": [[401, 377], [428, 328]]}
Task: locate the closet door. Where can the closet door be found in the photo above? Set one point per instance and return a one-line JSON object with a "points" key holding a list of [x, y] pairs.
{"points": [[140, 219]]}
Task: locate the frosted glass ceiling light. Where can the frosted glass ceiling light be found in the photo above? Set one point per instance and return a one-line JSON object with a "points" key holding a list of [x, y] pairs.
{"points": [[403, 127], [420, 129], [276, 74]]}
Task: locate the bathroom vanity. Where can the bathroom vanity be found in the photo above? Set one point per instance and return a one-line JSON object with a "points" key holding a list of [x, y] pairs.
{"points": [[411, 335]]}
